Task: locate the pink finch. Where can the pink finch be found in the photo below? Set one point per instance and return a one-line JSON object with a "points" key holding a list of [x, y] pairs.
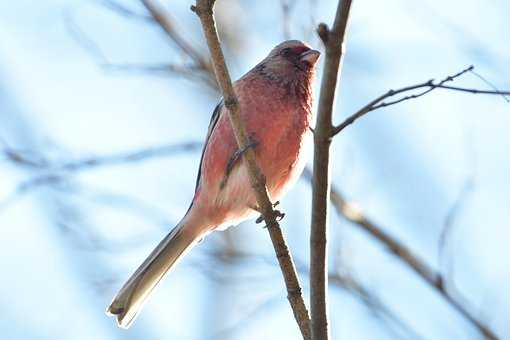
{"points": [[275, 100]]}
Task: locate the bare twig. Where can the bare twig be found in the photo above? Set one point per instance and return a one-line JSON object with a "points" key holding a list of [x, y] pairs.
{"points": [[334, 43], [204, 10], [473, 91], [406, 255], [429, 86], [491, 85]]}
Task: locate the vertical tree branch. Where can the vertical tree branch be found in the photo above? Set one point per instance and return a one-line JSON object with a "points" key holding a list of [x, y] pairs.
{"points": [[333, 41], [204, 10]]}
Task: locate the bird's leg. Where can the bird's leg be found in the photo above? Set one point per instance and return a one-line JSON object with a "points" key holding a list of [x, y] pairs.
{"points": [[235, 158]]}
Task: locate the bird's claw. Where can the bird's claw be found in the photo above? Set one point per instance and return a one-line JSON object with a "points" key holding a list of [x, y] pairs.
{"points": [[236, 156], [278, 215]]}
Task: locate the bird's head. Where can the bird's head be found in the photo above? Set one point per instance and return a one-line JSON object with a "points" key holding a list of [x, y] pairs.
{"points": [[291, 58]]}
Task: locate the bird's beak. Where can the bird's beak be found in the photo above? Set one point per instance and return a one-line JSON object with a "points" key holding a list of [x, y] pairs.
{"points": [[310, 56]]}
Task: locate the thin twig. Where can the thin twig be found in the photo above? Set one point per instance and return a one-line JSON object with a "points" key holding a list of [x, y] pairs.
{"points": [[429, 86], [204, 10], [491, 85], [474, 91], [334, 43]]}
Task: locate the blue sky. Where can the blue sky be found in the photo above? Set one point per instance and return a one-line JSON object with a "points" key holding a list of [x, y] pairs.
{"points": [[65, 254]]}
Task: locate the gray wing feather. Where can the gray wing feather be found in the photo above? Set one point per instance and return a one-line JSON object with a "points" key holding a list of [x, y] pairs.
{"points": [[212, 124]]}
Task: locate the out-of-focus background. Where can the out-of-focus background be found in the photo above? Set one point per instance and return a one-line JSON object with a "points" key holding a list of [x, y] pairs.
{"points": [[102, 116]]}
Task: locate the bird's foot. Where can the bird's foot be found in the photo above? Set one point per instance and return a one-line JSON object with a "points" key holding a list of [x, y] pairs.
{"points": [[236, 156], [240, 152], [278, 215]]}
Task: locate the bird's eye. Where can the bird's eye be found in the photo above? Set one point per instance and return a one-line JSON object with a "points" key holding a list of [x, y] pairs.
{"points": [[286, 51]]}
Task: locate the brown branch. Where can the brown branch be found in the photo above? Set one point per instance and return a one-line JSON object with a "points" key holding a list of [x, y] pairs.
{"points": [[406, 255], [204, 10], [334, 42], [429, 86]]}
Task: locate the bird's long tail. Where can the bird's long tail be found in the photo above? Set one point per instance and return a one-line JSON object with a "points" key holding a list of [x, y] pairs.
{"points": [[130, 299]]}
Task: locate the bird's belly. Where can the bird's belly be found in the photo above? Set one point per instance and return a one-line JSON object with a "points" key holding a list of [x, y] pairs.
{"points": [[279, 153], [281, 160], [283, 165]]}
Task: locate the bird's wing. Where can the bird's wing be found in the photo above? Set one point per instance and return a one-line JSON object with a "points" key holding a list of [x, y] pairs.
{"points": [[212, 124]]}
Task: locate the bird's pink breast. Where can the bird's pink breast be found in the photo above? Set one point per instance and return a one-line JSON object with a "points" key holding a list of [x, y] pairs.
{"points": [[275, 118]]}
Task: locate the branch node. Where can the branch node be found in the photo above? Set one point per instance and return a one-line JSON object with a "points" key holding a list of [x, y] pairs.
{"points": [[292, 292], [323, 32], [203, 7]]}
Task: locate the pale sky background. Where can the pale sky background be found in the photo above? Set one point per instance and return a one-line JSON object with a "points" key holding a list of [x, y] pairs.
{"points": [[66, 252]]}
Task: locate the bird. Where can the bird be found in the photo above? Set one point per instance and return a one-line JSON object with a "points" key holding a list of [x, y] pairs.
{"points": [[275, 102]]}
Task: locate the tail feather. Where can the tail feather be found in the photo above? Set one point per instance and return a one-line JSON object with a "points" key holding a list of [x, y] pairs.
{"points": [[130, 299]]}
